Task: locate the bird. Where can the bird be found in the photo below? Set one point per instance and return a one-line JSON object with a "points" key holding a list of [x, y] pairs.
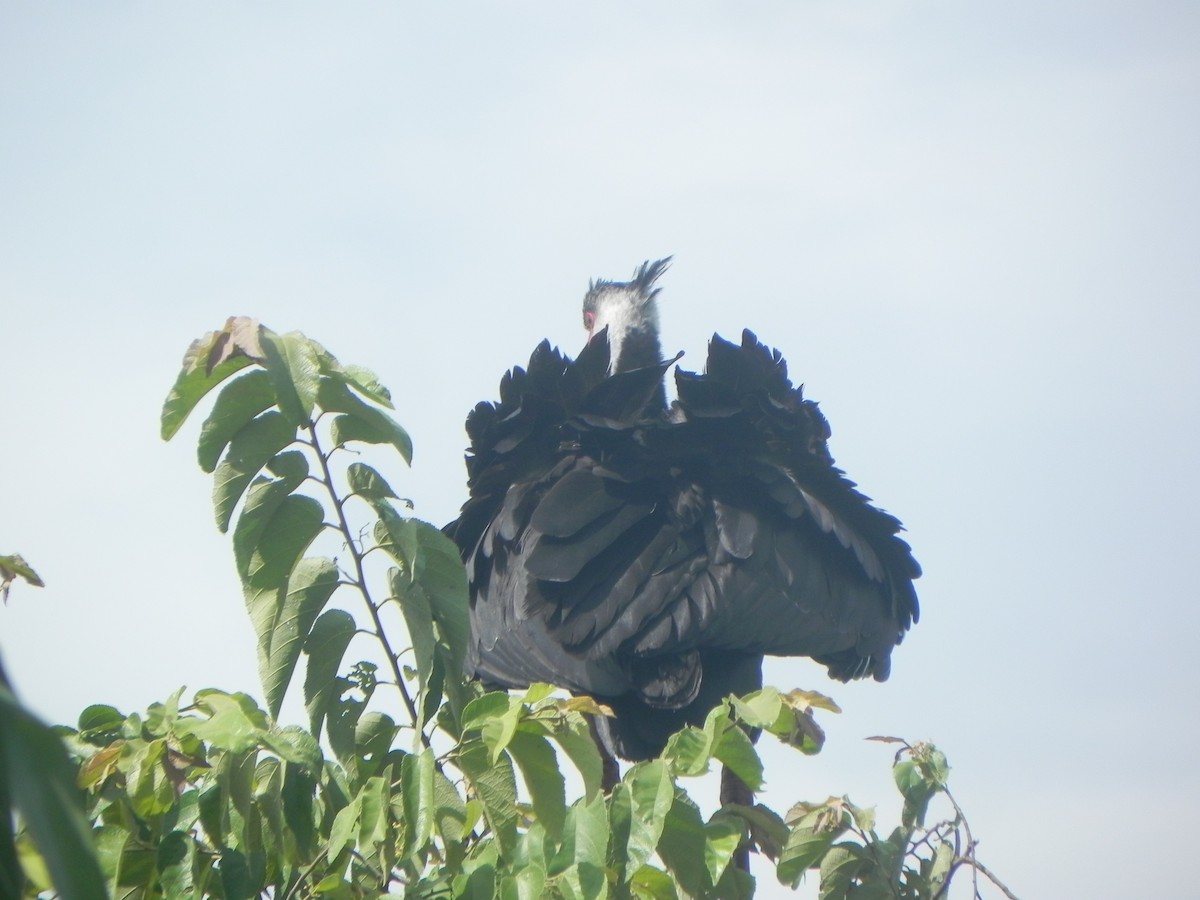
{"points": [[648, 553]]}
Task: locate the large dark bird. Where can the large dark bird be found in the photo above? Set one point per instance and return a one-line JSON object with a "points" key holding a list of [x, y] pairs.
{"points": [[649, 556]]}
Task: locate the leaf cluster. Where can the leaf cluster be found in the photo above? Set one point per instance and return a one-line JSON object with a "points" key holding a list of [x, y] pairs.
{"points": [[410, 780]]}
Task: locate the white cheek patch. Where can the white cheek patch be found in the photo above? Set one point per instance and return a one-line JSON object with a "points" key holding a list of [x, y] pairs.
{"points": [[617, 314]]}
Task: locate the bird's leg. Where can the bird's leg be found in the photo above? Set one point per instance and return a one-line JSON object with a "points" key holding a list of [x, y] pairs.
{"points": [[610, 769], [734, 790]]}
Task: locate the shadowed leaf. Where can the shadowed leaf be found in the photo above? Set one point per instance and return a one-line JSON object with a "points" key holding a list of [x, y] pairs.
{"points": [[294, 370], [325, 645], [237, 404], [251, 449], [39, 782], [373, 425]]}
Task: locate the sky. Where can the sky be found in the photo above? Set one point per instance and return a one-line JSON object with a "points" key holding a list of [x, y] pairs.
{"points": [[970, 228]]}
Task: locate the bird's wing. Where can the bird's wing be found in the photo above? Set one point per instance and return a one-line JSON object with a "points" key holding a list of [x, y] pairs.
{"points": [[725, 525]]}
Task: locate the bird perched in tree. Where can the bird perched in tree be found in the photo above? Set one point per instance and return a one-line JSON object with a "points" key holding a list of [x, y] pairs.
{"points": [[650, 555]]}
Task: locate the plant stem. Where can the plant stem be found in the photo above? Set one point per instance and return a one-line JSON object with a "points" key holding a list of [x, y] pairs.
{"points": [[360, 574]]}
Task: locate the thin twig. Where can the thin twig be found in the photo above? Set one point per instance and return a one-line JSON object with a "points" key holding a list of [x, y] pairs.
{"points": [[379, 632]]}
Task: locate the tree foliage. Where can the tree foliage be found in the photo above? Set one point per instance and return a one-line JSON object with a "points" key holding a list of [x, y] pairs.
{"points": [[409, 780]]}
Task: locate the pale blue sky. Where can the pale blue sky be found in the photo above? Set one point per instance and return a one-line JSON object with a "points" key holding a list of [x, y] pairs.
{"points": [[971, 229]]}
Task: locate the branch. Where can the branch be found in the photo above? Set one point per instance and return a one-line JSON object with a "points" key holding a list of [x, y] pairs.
{"points": [[379, 633]]}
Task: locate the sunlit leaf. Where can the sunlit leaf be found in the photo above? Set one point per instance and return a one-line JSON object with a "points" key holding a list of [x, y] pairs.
{"points": [[496, 785], [736, 752], [344, 830], [234, 722], [649, 883], [689, 751], [578, 744], [647, 794], [722, 835], [539, 768], [207, 362], [581, 857], [806, 700], [420, 798], [681, 846]]}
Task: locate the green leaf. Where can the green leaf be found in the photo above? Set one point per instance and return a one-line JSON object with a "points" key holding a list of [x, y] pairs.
{"points": [[344, 830], [649, 883], [360, 378], [368, 484], [736, 751], [761, 709], [527, 883], [722, 835], [496, 786], [547, 790], [283, 593], [175, 860], [917, 790], [237, 404], [420, 798], [808, 843], [370, 425], [689, 751], [839, 868], [639, 807], [373, 737], [234, 722], [579, 864], [292, 526], [100, 721], [250, 450], [418, 617], [450, 812], [577, 743], [431, 562], [36, 775], [681, 846], [806, 700], [325, 645], [207, 362], [297, 797], [312, 583], [295, 745], [373, 818], [262, 503], [13, 567], [294, 369]]}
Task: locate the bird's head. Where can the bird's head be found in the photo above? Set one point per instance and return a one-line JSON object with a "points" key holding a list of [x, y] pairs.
{"points": [[629, 311]]}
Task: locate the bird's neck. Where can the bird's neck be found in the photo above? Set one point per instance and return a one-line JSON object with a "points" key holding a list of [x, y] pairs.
{"points": [[637, 349]]}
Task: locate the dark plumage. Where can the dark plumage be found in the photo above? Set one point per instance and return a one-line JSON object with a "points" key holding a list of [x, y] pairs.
{"points": [[650, 556]]}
